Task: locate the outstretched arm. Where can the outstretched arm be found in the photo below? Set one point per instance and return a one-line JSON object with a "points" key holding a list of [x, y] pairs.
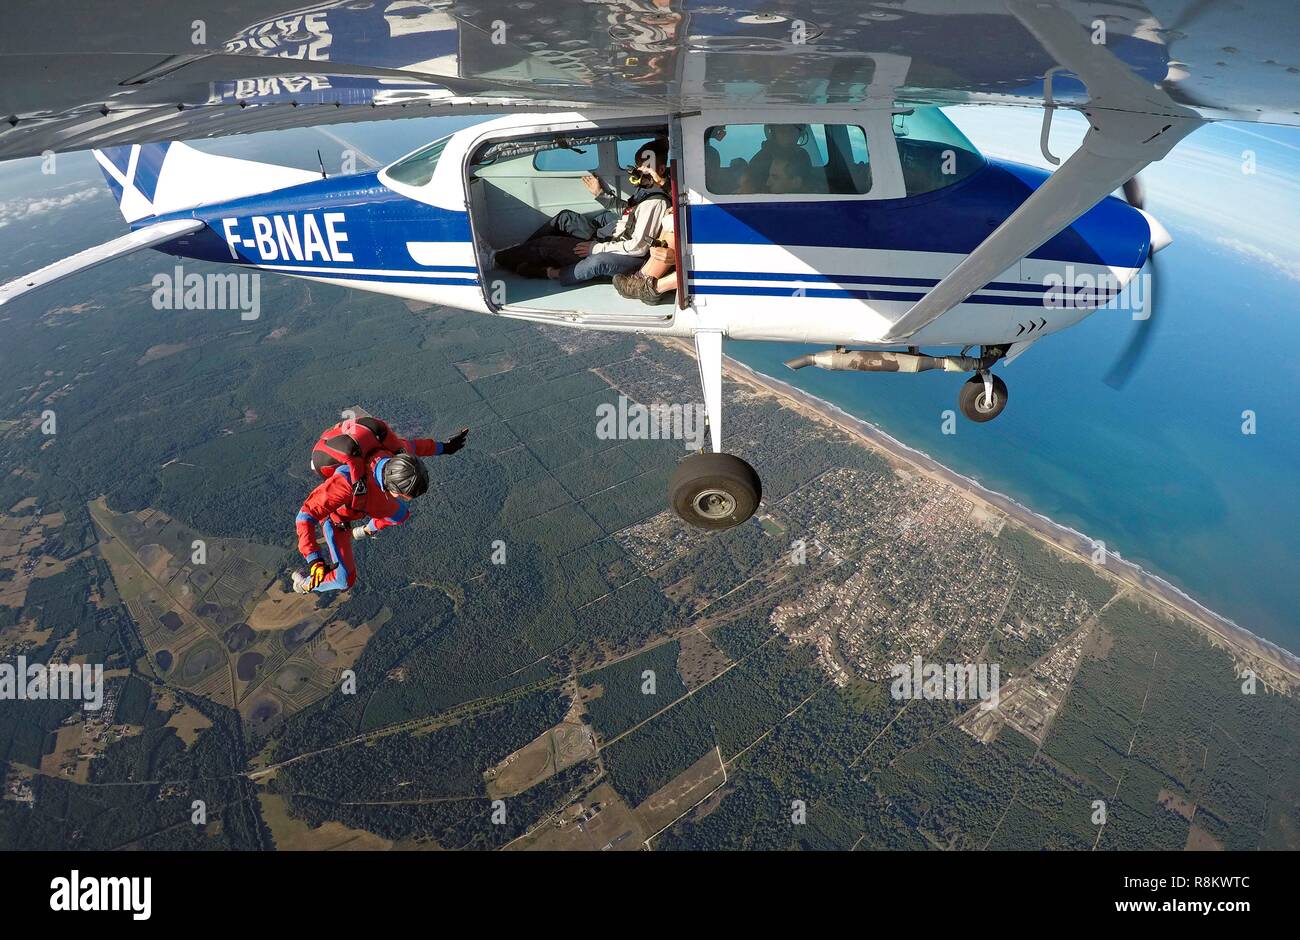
{"points": [[609, 198], [428, 447]]}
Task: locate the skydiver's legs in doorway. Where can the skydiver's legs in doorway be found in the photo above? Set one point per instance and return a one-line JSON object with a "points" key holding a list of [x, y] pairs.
{"points": [[575, 225], [605, 264], [552, 244], [533, 257]]}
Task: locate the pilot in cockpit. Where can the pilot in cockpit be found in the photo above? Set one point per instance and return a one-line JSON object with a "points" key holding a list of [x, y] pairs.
{"points": [[782, 142]]}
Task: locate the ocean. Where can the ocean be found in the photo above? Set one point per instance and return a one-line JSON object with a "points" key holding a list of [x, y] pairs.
{"points": [[1160, 471]]}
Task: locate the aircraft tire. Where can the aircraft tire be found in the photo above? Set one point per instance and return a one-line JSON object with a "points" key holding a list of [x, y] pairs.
{"points": [[714, 491], [971, 400]]}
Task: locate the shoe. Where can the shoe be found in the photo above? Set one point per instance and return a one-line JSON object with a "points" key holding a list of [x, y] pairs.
{"points": [[650, 294], [301, 583], [629, 285]]}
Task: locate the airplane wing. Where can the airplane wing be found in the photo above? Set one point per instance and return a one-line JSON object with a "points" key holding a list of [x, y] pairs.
{"points": [[77, 74], [145, 237]]}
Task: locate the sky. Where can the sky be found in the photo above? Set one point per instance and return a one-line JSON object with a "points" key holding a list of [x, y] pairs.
{"points": [[1241, 179]]}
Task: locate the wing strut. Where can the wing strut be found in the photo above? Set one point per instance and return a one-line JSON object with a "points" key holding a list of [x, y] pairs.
{"points": [[1132, 123], [708, 353], [1117, 146]]}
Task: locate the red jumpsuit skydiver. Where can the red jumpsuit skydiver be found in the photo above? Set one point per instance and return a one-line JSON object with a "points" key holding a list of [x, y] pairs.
{"points": [[333, 508]]}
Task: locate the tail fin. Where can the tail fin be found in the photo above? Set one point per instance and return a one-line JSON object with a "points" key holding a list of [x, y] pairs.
{"points": [[154, 179], [132, 173]]}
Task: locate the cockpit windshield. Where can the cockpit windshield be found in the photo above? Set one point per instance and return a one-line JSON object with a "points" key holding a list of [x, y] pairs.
{"points": [[932, 151], [417, 168]]}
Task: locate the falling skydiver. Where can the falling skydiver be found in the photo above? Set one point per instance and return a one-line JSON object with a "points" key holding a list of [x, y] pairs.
{"points": [[369, 474]]}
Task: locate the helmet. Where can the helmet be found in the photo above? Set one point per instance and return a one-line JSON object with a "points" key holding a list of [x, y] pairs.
{"points": [[406, 475]]}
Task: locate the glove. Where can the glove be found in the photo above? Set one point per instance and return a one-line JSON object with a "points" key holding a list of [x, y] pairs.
{"points": [[316, 573], [456, 443], [361, 531]]}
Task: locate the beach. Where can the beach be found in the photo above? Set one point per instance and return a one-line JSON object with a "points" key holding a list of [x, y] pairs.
{"points": [[1276, 667]]}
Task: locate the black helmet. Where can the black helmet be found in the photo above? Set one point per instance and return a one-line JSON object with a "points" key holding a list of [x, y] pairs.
{"points": [[406, 475]]}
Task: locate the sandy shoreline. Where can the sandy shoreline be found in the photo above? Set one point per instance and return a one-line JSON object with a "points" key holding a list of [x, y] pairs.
{"points": [[1285, 666]]}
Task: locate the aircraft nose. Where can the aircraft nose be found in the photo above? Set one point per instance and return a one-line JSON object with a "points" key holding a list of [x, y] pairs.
{"points": [[1160, 237]]}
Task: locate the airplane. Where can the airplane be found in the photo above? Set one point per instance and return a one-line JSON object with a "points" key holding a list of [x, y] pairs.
{"points": [[900, 240]]}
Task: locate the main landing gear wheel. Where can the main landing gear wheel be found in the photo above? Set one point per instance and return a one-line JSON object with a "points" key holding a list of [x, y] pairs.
{"points": [[975, 402], [714, 491]]}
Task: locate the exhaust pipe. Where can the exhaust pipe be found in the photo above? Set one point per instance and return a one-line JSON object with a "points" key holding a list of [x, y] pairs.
{"points": [[870, 360]]}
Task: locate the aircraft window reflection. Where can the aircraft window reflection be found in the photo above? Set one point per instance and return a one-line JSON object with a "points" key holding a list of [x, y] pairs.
{"points": [[933, 153], [787, 159], [417, 169]]}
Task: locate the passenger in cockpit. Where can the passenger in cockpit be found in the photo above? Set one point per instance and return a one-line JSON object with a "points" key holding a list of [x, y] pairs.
{"points": [[790, 173], [782, 141]]}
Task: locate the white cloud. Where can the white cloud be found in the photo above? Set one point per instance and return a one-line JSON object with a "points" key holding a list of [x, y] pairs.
{"points": [[1285, 266], [23, 208]]}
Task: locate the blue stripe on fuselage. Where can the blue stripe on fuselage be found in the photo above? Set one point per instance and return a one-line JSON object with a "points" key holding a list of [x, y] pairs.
{"points": [[851, 279], [953, 220], [1080, 299], [876, 280]]}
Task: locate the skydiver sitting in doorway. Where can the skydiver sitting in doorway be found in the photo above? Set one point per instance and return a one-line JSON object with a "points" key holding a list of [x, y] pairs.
{"points": [[656, 282], [572, 248]]}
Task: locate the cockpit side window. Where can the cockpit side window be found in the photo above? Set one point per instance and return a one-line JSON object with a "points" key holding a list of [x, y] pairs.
{"points": [[569, 159], [417, 169], [933, 153], [628, 149], [787, 159]]}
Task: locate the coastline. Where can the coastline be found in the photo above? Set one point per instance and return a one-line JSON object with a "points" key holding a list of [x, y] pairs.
{"points": [[1281, 666]]}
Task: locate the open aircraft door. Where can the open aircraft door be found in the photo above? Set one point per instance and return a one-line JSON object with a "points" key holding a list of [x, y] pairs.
{"points": [[518, 176], [681, 211]]}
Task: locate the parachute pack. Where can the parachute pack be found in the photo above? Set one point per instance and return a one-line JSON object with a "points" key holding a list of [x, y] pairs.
{"points": [[353, 442]]}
